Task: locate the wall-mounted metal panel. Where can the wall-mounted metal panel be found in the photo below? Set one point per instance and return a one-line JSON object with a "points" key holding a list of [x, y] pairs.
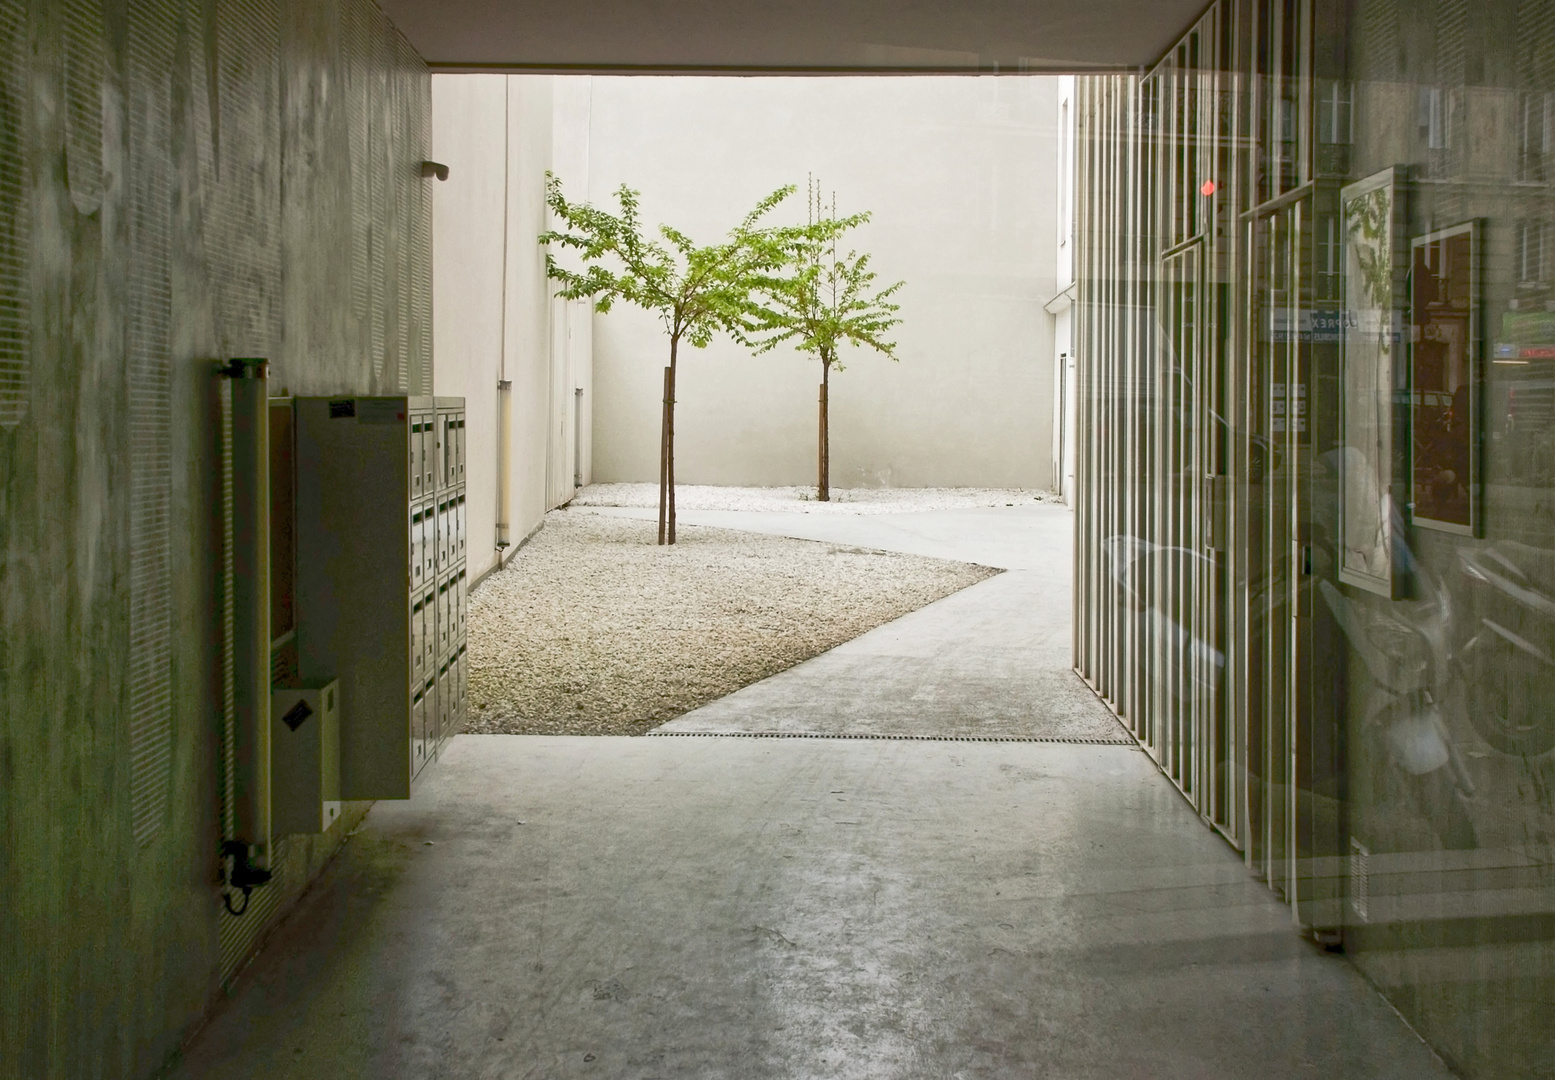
{"points": [[380, 590]]}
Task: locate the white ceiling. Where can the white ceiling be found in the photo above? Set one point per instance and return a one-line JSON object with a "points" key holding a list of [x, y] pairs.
{"points": [[791, 35]]}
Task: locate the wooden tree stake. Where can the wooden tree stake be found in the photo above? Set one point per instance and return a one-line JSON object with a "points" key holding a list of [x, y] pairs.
{"points": [[664, 453]]}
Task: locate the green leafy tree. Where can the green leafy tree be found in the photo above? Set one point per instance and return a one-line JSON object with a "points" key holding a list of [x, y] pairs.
{"points": [[696, 290], [824, 301]]}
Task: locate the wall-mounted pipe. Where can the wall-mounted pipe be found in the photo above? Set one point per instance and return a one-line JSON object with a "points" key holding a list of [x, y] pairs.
{"points": [[250, 643], [504, 459]]}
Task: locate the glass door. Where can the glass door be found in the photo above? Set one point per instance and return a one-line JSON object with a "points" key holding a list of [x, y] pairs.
{"points": [[1186, 654], [1276, 451]]}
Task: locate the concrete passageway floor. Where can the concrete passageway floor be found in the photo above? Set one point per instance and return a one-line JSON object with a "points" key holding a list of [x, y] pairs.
{"points": [[808, 907], [743, 908]]}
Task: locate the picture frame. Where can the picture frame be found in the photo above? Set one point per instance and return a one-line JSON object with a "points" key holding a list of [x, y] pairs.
{"points": [[1446, 380], [1373, 384]]}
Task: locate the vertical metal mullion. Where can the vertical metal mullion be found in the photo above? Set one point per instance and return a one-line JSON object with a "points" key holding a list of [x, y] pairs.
{"points": [[1209, 131], [1240, 177], [1095, 384], [1294, 377], [1106, 367], [1101, 364], [1305, 128], [1149, 196], [1119, 399], [1106, 361], [1079, 621], [1126, 365], [1086, 437], [1128, 147]]}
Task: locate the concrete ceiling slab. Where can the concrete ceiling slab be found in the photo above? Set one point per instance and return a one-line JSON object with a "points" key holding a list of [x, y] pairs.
{"points": [[796, 36]]}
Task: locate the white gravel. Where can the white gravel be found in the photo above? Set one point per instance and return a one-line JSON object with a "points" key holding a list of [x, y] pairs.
{"points": [[594, 629], [802, 500]]}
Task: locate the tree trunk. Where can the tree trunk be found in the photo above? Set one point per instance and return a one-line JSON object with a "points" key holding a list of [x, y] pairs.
{"points": [[670, 453], [667, 452], [664, 444], [823, 476]]}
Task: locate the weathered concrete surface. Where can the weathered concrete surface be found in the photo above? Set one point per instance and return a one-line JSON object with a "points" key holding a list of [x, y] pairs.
{"points": [[557, 907], [196, 183], [991, 660]]}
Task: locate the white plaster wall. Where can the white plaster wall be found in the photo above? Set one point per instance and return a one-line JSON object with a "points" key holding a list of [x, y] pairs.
{"points": [[494, 317], [469, 136], [528, 300], [571, 322], [1065, 368], [961, 175]]}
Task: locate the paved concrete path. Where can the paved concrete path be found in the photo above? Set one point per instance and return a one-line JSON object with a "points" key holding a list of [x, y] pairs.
{"points": [[555, 907], [991, 660], [560, 907]]}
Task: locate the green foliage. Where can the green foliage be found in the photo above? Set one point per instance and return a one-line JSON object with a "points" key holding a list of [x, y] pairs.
{"points": [[696, 290], [825, 300]]}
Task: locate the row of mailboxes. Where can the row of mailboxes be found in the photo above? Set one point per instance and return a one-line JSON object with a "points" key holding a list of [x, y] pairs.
{"points": [[451, 462], [449, 526], [372, 473], [437, 537], [453, 684], [450, 604], [422, 446], [437, 623], [438, 706], [436, 449]]}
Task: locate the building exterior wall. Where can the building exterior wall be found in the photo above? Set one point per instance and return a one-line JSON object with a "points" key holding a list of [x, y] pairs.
{"points": [[1272, 396], [1061, 307], [186, 182], [961, 176], [495, 318], [469, 124]]}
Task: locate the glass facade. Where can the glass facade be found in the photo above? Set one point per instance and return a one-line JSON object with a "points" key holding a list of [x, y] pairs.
{"points": [[1315, 487]]}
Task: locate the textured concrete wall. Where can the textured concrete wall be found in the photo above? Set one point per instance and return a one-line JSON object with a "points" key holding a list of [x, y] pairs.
{"points": [[197, 179], [961, 174]]}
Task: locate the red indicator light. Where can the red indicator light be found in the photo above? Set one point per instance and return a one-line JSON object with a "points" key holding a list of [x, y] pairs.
{"points": [[1208, 189]]}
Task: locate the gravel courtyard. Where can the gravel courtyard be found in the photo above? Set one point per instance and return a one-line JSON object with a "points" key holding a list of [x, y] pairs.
{"points": [[594, 629], [801, 500]]}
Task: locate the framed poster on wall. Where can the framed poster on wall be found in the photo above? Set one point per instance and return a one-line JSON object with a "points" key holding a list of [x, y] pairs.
{"points": [[1446, 373], [1374, 383]]}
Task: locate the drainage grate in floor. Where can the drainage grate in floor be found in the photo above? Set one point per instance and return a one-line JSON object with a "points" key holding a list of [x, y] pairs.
{"points": [[891, 738]]}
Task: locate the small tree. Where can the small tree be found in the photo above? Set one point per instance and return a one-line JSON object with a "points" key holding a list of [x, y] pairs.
{"points": [[824, 302], [696, 290]]}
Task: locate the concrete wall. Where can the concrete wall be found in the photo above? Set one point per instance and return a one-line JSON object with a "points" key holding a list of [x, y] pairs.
{"points": [[961, 174], [202, 180], [494, 316]]}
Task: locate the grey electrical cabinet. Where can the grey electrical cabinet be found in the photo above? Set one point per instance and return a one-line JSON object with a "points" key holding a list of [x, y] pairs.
{"points": [[381, 579], [304, 758]]}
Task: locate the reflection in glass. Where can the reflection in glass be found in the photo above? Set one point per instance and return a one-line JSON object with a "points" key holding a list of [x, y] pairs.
{"points": [[1444, 379]]}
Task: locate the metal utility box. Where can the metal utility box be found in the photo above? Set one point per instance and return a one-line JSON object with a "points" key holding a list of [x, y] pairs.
{"points": [[377, 556], [304, 758]]}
